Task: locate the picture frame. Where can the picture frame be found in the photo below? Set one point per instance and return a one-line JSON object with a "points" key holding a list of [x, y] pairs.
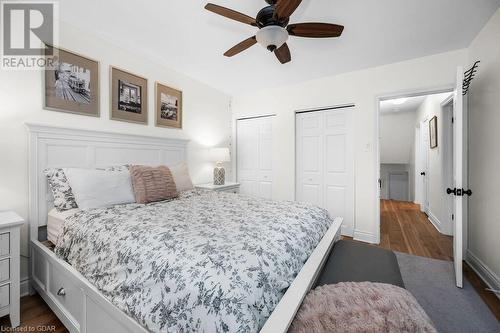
{"points": [[433, 132], [168, 109], [128, 97], [73, 85]]}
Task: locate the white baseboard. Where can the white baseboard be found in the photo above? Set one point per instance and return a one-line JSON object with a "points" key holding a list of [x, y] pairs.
{"points": [[435, 221], [441, 227], [484, 272], [346, 231], [25, 287], [366, 237]]}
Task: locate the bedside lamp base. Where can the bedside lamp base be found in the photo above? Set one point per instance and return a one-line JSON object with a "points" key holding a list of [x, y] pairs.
{"points": [[219, 175]]}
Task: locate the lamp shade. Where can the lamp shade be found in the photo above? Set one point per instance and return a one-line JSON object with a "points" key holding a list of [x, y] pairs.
{"points": [[219, 155]]}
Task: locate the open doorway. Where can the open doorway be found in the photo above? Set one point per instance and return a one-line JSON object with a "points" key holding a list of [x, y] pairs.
{"points": [[416, 168], [431, 180]]}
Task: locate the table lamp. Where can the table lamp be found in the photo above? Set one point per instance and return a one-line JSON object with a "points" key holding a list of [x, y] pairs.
{"points": [[219, 156]]}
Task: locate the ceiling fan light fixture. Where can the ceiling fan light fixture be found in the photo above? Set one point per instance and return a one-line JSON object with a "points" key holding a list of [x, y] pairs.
{"points": [[272, 37]]}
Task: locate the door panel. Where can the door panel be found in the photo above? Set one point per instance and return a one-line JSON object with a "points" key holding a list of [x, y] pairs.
{"points": [[265, 146], [335, 199], [309, 170], [325, 162], [335, 163], [265, 190], [254, 156], [458, 154], [311, 193]]}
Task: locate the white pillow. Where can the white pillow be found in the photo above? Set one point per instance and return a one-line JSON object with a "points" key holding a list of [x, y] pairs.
{"points": [[94, 188], [182, 180]]}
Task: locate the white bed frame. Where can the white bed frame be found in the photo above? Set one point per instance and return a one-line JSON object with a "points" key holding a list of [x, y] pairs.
{"points": [[77, 303]]}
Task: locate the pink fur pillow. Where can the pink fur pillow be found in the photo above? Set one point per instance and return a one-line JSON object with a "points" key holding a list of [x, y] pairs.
{"points": [[356, 307], [152, 183]]}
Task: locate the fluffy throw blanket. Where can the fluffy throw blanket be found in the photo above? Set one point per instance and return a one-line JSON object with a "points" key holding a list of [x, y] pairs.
{"points": [[360, 307]]}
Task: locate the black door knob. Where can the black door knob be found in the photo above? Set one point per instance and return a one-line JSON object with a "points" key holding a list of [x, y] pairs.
{"points": [[450, 191], [422, 174], [468, 192]]}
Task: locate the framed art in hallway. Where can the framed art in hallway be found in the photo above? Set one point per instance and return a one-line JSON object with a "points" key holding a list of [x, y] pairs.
{"points": [[168, 106], [129, 97], [433, 132], [72, 86]]}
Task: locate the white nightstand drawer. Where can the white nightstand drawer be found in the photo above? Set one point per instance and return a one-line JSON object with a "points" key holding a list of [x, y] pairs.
{"points": [[4, 270], [4, 295], [4, 243]]}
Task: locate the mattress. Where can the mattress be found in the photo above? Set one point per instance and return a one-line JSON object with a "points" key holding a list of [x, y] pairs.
{"points": [[204, 262], [55, 223]]}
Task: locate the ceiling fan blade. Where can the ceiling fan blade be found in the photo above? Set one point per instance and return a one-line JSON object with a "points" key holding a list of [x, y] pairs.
{"points": [[315, 30], [283, 54], [241, 46], [285, 8], [232, 14]]}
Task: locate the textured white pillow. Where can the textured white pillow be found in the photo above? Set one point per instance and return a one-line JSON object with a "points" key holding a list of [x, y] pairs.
{"points": [[182, 180], [94, 188]]}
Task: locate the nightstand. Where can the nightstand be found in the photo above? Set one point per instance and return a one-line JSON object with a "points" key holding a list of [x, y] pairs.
{"points": [[227, 187], [10, 225]]}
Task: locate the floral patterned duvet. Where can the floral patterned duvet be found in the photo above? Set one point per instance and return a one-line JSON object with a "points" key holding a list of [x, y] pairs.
{"points": [[205, 262]]}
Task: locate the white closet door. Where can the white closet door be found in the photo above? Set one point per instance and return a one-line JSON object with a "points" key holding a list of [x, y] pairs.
{"points": [[254, 156], [265, 172], [247, 156], [309, 166], [325, 162]]}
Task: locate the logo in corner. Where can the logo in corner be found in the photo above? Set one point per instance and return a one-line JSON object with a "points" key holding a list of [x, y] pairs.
{"points": [[28, 29]]}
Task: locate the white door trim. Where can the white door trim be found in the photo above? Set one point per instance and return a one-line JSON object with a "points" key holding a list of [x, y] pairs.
{"points": [[398, 94], [448, 162], [424, 150]]}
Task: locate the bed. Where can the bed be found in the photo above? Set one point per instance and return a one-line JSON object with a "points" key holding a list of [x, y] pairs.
{"points": [[223, 269]]}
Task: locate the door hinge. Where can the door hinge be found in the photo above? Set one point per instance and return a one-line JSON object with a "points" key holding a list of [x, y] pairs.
{"points": [[452, 217], [452, 120]]}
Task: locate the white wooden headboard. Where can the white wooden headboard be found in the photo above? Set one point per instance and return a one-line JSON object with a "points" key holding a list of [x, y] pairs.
{"points": [[51, 147]]}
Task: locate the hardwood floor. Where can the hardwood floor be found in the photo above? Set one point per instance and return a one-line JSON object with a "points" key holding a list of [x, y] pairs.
{"points": [[36, 316], [403, 228]]}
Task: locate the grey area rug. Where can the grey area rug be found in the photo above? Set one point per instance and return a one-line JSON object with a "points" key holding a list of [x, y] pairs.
{"points": [[452, 310]]}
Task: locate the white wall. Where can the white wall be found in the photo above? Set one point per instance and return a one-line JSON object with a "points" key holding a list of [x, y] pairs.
{"points": [[396, 137], [484, 151], [206, 118], [437, 181], [361, 88]]}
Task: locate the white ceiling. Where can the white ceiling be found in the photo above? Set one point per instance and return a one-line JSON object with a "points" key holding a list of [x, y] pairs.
{"points": [[410, 105], [184, 36]]}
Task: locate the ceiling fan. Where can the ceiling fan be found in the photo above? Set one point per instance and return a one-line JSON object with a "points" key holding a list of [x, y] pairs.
{"points": [[274, 29]]}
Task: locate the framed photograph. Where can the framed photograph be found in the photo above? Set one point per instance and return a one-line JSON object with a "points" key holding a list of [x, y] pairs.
{"points": [[73, 85], [129, 97], [168, 106], [433, 132]]}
